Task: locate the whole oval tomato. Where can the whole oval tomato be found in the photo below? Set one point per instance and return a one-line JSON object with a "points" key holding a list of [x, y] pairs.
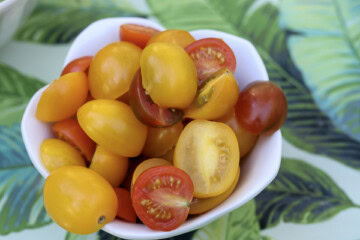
{"points": [[179, 37], [109, 165], [113, 125], [125, 210], [112, 70], [161, 140], [62, 98], [168, 75], [137, 34], [56, 153], [79, 200], [261, 107], [208, 151], [78, 65]]}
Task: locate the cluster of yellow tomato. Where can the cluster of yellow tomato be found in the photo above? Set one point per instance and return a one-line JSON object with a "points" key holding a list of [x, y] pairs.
{"points": [[143, 132]]}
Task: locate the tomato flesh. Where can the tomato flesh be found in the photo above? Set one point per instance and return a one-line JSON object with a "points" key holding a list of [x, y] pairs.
{"points": [[137, 34], [146, 110], [209, 55], [161, 197], [78, 65]]}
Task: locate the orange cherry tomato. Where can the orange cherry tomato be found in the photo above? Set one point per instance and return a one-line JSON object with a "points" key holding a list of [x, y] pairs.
{"points": [[180, 37], [78, 65], [70, 131], [137, 34], [125, 209], [63, 97]]}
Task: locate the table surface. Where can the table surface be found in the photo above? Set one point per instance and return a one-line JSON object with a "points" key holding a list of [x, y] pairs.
{"points": [[310, 48]]}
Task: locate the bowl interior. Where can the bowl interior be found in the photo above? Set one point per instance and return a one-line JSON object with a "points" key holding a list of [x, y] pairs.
{"points": [[258, 169]]}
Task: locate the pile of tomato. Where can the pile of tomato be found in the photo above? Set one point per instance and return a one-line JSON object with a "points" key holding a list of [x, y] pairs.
{"points": [[150, 129]]}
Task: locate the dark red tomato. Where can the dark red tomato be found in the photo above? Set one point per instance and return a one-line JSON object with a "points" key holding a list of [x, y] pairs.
{"points": [[261, 107], [209, 55], [161, 197], [125, 209], [137, 34], [70, 131], [78, 65], [146, 110]]}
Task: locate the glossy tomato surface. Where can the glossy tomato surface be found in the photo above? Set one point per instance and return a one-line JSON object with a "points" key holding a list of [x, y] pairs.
{"points": [[161, 197], [78, 65], [181, 38], [125, 210], [137, 34]]}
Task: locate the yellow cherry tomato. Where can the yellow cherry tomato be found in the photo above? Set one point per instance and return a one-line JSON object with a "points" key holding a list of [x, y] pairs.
{"points": [[161, 140], [113, 125], [168, 75], [152, 162], [56, 153], [216, 98], [112, 70], [79, 200], [201, 205], [62, 98], [246, 139], [109, 165], [179, 37], [208, 151]]}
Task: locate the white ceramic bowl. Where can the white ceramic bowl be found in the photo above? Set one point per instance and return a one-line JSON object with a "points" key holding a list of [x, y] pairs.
{"points": [[12, 14], [258, 169]]}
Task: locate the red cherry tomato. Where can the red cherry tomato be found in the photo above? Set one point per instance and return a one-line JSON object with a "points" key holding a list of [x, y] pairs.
{"points": [[209, 55], [261, 107], [125, 209], [136, 34], [161, 197], [70, 131], [146, 110], [78, 65]]}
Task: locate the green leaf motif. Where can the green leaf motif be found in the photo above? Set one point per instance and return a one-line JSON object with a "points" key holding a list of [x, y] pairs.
{"points": [[300, 193], [240, 224], [16, 89], [21, 203], [327, 51], [60, 21], [306, 126]]}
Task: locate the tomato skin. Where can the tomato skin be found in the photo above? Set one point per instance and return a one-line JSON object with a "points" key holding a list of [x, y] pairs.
{"points": [[168, 71], [125, 209], [146, 110], [261, 107], [109, 165], [160, 140], [137, 34], [112, 70], [113, 125], [166, 191], [179, 37], [209, 55], [76, 205], [70, 131], [62, 98], [56, 153], [78, 65]]}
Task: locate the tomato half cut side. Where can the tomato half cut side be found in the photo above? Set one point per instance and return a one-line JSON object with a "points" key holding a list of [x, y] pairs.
{"points": [[137, 34], [209, 55], [146, 110], [78, 65], [70, 131], [161, 197]]}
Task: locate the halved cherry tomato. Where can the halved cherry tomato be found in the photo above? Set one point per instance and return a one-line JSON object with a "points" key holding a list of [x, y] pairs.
{"points": [[70, 131], [137, 34], [208, 151], [216, 98], [209, 55], [125, 209], [261, 107], [146, 110], [161, 197], [180, 37], [201, 205], [78, 65], [161, 140]]}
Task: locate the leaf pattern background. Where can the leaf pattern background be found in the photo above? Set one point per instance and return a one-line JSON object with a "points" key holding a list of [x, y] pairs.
{"points": [[304, 196]]}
